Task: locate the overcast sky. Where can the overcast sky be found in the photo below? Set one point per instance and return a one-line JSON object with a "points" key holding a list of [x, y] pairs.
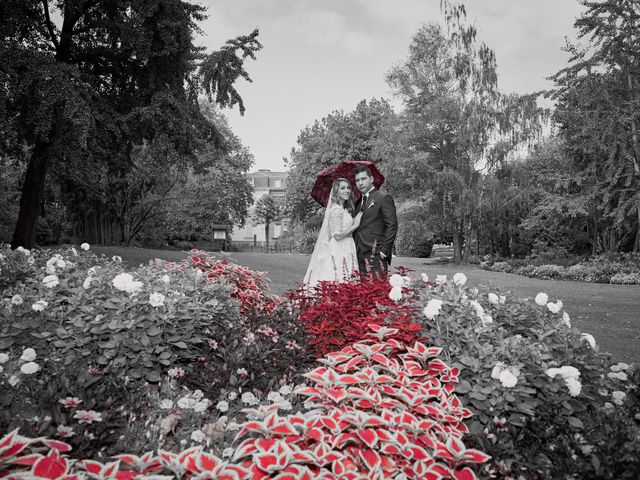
{"points": [[326, 55]]}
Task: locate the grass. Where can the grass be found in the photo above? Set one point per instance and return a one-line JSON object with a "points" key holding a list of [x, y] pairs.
{"points": [[608, 312]]}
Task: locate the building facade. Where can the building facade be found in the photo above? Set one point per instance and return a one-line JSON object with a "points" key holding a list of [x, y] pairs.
{"points": [[265, 182]]}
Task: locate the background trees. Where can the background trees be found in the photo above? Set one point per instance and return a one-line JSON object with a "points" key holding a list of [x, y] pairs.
{"points": [[267, 210], [104, 97]]}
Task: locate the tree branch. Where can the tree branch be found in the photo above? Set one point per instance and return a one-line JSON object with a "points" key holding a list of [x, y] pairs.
{"points": [[45, 5]]}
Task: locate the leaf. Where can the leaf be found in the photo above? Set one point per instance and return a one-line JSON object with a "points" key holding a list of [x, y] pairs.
{"points": [[153, 376], [180, 345], [575, 422], [6, 343]]}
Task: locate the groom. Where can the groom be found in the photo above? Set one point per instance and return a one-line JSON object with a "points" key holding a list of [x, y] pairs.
{"points": [[377, 231]]}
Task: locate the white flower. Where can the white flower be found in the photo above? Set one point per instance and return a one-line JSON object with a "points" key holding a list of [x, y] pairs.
{"points": [[285, 390], [618, 375], [198, 436], [4, 358], [165, 279], [574, 386], [93, 270], [249, 398], [28, 355], [13, 380], [16, 300], [197, 394], [493, 298], [50, 281], [156, 299], [614, 368], [232, 396], [85, 246], [87, 416], [125, 283], [396, 280], [242, 372], [227, 452], [222, 406], [64, 431], [61, 263], [23, 251], [441, 279], [554, 307], [618, 397], [87, 283], [425, 277], [166, 404], [566, 320], [29, 368], [202, 405], [478, 309], [284, 405], [74, 251], [432, 308], [176, 372], [274, 397], [1, 369], [117, 258], [233, 426], [542, 299], [495, 372], [502, 298], [460, 279], [395, 294], [587, 337], [187, 402], [40, 305], [508, 379]]}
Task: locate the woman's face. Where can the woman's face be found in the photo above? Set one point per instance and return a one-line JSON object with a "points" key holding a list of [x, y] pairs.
{"points": [[344, 191]]}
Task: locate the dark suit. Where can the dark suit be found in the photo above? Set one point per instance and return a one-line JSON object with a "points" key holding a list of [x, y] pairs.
{"points": [[377, 231]]}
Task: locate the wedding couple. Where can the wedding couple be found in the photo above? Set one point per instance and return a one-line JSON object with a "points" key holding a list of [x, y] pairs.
{"points": [[354, 237]]}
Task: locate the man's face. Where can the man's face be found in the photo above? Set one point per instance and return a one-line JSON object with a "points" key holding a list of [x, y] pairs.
{"points": [[363, 182]]}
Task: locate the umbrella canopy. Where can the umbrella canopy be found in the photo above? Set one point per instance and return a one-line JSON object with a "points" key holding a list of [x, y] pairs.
{"points": [[345, 169]]}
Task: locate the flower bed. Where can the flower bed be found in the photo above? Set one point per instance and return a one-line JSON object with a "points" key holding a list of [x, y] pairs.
{"points": [[493, 375], [616, 269]]}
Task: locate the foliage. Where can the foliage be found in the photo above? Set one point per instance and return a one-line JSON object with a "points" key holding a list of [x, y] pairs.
{"points": [[336, 314], [606, 268], [267, 211], [530, 423], [407, 421], [414, 240]]}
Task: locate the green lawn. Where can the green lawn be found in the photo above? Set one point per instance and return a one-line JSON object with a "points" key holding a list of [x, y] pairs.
{"points": [[609, 312]]}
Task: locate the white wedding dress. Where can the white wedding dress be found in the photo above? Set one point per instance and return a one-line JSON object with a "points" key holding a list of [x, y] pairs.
{"points": [[333, 260]]}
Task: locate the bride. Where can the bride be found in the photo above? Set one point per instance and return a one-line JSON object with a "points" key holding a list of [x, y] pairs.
{"points": [[334, 256]]}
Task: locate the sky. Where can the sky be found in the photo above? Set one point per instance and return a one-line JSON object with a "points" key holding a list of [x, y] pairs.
{"points": [[319, 56]]}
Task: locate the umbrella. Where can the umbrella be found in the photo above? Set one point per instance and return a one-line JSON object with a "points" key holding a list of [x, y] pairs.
{"points": [[345, 169]]}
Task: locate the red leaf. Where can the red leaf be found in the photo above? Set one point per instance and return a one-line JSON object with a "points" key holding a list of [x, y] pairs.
{"points": [[464, 474], [370, 458], [368, 436], [57, 444], [475, 456]]}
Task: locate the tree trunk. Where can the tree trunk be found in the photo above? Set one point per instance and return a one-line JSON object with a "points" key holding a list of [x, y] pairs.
{"points": [[266, 234], [32, 190], [457, 242]]}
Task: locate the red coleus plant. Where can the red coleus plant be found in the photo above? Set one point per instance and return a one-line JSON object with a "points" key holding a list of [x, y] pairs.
{"points": [[382, 409], [250, 288], [337, 314]]}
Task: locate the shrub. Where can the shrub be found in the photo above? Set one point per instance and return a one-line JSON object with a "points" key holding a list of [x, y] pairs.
{"points": [[626, 278], [336, 314], [530, 423]]}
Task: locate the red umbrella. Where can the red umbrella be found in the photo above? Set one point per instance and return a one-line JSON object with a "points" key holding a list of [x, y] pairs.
{"points": [[345, 169]]}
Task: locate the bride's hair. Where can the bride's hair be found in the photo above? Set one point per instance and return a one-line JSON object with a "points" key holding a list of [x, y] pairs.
{"points": [[349, 204]]}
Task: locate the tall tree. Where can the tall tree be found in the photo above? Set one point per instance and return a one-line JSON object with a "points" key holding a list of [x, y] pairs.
{"points": [[598, 114], [267, 211], [114, 74]]}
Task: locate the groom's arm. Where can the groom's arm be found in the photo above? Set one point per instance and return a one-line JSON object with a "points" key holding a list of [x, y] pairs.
{"points": [[388, 210]]}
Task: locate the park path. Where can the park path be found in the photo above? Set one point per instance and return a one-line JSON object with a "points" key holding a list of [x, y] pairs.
{"points": [[611, 313]]}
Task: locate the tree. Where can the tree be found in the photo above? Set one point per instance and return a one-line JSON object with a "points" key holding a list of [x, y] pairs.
{"points": [[598, 115], [456, 122], [267, 210], [116, 74]]}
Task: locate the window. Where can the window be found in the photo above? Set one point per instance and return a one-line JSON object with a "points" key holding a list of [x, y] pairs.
{"points": [[278, 183]]}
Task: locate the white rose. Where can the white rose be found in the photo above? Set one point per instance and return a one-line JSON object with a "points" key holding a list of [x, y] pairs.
{"points": [[222, 406], [425, 277], [460, 279], [198, 436], [165, 279], [201, 406], [29, 368], [156, 299], [61, 263], [4, 358], [566, 320], [542, 299], [50, 281], [508, 379], [502, 298], [574, 386], [74, 251], [441, 279], [117, 258], [87, 283], [17, 300], [497, 369], [395, 294], [227, 452], [618, 397], [187, 403], [554, 307], [396, 280], [166, 404], [85, 246], [587, 337], [125, 283], [493, 298], [28, 355], [40, 305], [432, 309]]}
